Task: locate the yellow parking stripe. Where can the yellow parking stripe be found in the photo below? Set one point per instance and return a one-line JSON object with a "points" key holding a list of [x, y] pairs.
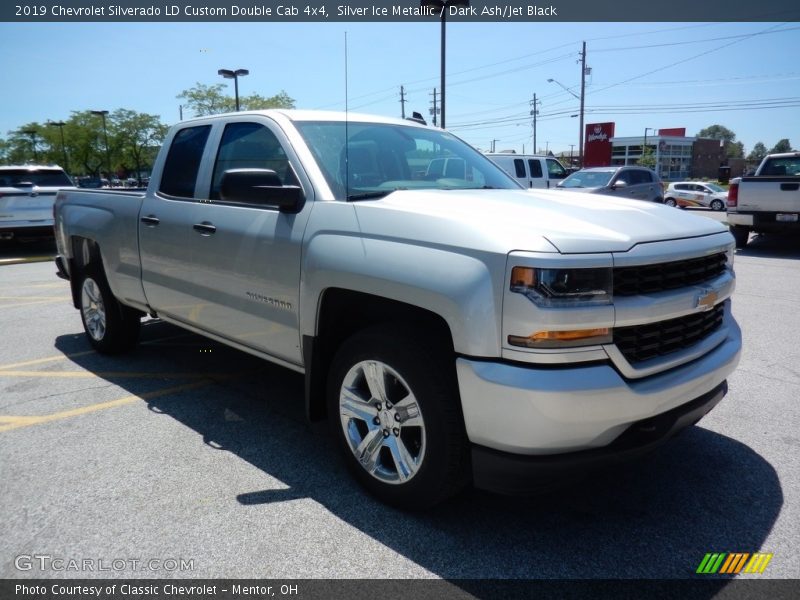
{"points": [[32, 302], [110, 374], [18, 422], [40, 361]]}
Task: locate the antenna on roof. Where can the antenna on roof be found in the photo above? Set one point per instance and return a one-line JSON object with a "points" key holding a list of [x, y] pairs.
{"points": [[346, 129]]}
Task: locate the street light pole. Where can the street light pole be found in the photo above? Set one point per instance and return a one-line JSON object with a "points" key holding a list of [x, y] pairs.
{"points": [[443, 6], [228, 74], [60, 125], [103, 114]]}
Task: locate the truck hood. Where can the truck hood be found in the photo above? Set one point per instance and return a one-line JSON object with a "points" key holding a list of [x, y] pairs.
{"points": [[507, 220]]}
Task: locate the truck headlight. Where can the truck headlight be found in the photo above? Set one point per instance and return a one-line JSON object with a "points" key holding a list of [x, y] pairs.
{"points": [[563, 287]]}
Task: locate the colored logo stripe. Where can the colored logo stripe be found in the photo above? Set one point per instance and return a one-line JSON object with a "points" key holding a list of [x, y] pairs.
{"points": [[732, 563]]}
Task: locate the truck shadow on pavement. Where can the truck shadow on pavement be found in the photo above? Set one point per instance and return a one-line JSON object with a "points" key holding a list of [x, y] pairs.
{"points": [[772, 246], [655, 518]]}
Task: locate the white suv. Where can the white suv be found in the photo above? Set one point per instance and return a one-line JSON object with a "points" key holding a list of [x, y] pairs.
{"points": [[27, 194]]}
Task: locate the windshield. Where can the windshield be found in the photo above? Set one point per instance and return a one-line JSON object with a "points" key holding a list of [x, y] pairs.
{"points": [[587, 179], [380, 158], [37, 177]]}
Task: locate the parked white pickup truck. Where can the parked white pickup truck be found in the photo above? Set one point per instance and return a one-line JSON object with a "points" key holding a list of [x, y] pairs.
{"points": [[452, 329], [767, 202]]}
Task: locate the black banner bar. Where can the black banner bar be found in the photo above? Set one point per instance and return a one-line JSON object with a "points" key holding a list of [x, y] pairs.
{"points": [[398, 11]]}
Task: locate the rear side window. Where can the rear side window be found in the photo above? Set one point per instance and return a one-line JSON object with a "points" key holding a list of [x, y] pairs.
{"points": [[38, 177], [536, 168], [183, 162], [519, 168]]}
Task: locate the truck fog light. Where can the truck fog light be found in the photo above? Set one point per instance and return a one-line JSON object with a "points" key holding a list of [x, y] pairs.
{"points": [[563, 339]]}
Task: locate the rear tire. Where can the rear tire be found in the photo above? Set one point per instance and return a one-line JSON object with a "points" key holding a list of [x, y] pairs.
{"points": [[741, 234], [110, 327], [670, 202], [395, 415]]}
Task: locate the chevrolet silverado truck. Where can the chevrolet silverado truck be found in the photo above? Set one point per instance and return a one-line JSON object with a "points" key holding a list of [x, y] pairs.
{"points": [[453, 330], [767, 202]]}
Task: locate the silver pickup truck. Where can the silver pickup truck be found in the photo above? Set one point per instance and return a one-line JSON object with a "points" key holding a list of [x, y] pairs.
{"points": [[767, 202], [451, 329]]}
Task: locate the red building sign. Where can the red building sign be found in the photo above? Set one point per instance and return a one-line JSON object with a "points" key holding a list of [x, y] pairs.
{"points": [[597, 144]]}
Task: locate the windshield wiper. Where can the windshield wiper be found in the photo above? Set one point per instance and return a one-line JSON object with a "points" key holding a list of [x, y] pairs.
{"points": [[369, 195]]}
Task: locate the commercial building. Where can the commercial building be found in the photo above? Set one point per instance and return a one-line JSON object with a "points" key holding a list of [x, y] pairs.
{"points": [[677, 156]]}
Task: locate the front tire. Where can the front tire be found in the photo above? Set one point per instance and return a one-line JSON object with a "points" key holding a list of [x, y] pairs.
{"points": [[717, 204], [396, 416], [110, 327], [741, 235]]}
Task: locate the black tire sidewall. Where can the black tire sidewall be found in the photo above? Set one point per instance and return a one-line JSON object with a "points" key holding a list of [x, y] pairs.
{"points": [[122, 327], [443, 470]]}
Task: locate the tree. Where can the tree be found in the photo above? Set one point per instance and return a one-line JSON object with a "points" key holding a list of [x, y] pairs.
{"points": [[205, 100], [734, 150], [718, 132], [758, 153], [782, 146], [137, 137], [648, 158]]}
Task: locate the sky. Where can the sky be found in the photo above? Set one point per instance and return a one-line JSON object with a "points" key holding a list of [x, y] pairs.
{"points": [[745, 76]]}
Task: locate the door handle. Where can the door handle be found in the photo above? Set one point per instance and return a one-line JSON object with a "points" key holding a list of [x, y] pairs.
{"points": [[150, 220], [204, 228]]}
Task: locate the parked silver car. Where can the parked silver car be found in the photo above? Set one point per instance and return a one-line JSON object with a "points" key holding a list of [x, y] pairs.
{"points": [[696, 193], [638, 183]]}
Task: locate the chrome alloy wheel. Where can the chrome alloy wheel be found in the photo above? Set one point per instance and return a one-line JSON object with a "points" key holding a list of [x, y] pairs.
{"points": [[382, 422], [93, 309]]}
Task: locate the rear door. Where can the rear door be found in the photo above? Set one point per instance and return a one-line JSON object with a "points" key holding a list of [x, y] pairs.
{"points": [[165, 227], [537, 176]]}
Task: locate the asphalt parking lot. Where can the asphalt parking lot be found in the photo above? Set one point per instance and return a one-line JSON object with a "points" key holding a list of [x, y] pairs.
{"points": [[189, 459]]}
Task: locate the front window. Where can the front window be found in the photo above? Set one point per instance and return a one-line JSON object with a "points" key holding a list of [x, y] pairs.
{"points": [[380, 158], [587, 179], [715, 188]]}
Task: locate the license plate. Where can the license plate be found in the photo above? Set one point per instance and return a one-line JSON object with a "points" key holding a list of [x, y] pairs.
{"points": [[786, 218]]}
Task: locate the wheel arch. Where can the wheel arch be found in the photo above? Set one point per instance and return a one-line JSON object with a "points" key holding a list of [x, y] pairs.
{"points": [[340, 314]]}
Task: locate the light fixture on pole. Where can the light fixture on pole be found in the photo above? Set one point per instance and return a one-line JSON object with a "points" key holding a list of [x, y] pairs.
{"points": [[228, 74], [444, 6], [103, 114], [60, 125]]}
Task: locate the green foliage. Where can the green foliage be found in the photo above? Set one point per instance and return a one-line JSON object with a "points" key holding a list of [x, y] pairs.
{"points": [[204, 100], [758, 153], [648, 158], [782, 146], [734, 150], [717, 132]]}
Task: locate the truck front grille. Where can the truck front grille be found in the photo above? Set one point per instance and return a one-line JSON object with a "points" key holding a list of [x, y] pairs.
{"points": [[642, 342], [648, 279]]}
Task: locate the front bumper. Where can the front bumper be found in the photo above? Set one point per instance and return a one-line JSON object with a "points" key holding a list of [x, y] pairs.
{"points": [[516, 474], [545, 412]]}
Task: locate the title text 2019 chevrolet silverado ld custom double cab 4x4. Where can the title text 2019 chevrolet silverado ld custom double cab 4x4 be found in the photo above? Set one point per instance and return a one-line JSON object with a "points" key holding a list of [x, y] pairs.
{"points": [[452, 329]]}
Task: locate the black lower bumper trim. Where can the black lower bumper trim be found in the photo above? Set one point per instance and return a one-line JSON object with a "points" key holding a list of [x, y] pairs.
{"points": [[509, 473]]}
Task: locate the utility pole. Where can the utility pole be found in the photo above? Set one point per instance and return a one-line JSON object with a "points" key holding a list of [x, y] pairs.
{"points": [[493, 145], [534, 112], [571, 146], [403, 102], [583, 90], [435, 110]]}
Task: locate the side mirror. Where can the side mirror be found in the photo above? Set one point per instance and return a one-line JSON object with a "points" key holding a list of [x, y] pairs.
{"points": [[619, 185], [262, 187]]}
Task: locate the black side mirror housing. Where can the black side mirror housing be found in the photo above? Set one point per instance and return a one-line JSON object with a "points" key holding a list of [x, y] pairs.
{"points": [[262, 187]]}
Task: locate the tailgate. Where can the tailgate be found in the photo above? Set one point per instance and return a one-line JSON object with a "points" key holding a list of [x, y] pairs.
{"points": [[769, 194], [26, 206]]}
